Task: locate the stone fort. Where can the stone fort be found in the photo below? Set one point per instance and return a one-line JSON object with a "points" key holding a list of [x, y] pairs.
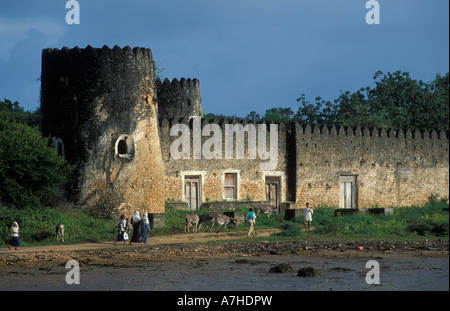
{"points": [[111, 118]]}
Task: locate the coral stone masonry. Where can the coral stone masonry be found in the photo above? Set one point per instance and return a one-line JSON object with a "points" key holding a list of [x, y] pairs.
{"points": [[120, 128]]}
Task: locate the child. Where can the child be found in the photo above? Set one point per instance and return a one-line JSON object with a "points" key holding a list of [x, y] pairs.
{"points": [[14, 236]]}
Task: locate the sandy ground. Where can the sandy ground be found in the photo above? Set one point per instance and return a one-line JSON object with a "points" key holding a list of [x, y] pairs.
{"points": [[159, 240], [192, 246]]}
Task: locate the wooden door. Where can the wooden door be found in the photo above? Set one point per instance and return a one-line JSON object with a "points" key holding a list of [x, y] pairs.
{"points": [[346, 195], [273, 191], [191, 192]]}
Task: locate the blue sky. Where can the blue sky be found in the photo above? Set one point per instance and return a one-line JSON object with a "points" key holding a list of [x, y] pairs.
{"points": [[247, 54]]}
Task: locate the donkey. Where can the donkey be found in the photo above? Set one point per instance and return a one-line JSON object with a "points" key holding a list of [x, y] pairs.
{"points": [[265, 209], [208, 218], [216, 217], [191, 219], [225, 220], [59, 232]]}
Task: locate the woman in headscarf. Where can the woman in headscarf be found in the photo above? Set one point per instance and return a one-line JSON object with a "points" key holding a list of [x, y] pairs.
{"points": [[14, 236], [122, 225], [136, 222], [145, 227]]}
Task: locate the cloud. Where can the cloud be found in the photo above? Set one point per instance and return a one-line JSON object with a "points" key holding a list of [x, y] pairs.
{"points": [[13, 31]]}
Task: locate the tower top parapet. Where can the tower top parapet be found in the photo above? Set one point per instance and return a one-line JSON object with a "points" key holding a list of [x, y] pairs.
{"points": [[179, 98]]}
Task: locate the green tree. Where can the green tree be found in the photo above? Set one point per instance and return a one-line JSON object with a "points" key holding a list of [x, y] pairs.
{"points": [[321, 112], [396, 101], [278, 115], [253, 116], [13, 110], [31, 172]]}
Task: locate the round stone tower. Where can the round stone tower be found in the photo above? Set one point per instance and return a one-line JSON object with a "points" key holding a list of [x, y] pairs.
{"points": [[179, 99], [100, 106]]}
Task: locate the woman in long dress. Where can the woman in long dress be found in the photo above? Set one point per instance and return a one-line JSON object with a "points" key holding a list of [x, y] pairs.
{"points": [[136, 222], [145, 228], [14, 236]]}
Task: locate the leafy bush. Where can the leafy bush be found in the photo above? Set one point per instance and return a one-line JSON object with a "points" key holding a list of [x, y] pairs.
{"points": [[30, 171], [432, 224]]}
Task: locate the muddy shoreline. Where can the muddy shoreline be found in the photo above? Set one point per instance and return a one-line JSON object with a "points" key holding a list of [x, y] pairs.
{"points": [[128, 256]]}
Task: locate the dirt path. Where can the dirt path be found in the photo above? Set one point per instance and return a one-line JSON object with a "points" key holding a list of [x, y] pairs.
{"points": [[153, 241]]}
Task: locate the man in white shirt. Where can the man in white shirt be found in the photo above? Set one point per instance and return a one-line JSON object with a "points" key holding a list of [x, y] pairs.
{"points": [[308, 217]]}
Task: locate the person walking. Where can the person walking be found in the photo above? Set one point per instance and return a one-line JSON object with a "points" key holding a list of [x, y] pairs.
{"points": [[14, 236], [308, 212], [145, 228], [136, 223], [251, 217], [121, 234]]}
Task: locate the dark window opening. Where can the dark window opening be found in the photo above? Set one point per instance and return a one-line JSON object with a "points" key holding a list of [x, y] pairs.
{"points": [[125, 147], [58, 144], [122, 147]]}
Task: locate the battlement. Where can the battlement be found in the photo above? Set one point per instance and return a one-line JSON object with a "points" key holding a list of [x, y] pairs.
{"points": [[316, 130], [75, 77], [174, 84], [334, 130], [179, 98], [105, 51]]}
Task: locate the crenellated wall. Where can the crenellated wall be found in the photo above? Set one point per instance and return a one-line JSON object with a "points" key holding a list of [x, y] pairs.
{"points": [[391, 167], [178, 99]]}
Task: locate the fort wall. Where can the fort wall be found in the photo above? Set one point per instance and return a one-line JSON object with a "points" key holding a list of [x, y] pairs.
{"points": [[390, 167], [250, 178], [112, 120], [101, 103]]}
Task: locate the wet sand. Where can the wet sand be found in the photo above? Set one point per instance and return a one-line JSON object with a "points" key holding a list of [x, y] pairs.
{"points": [[236, 273], [230, 266]]}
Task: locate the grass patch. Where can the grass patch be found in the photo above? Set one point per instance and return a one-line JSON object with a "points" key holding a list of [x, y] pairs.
{"points": [[429, 219], [37, 226]]}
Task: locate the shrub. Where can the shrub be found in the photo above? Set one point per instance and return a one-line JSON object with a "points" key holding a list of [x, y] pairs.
{"points": [[30, 171], [429, 224]]}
